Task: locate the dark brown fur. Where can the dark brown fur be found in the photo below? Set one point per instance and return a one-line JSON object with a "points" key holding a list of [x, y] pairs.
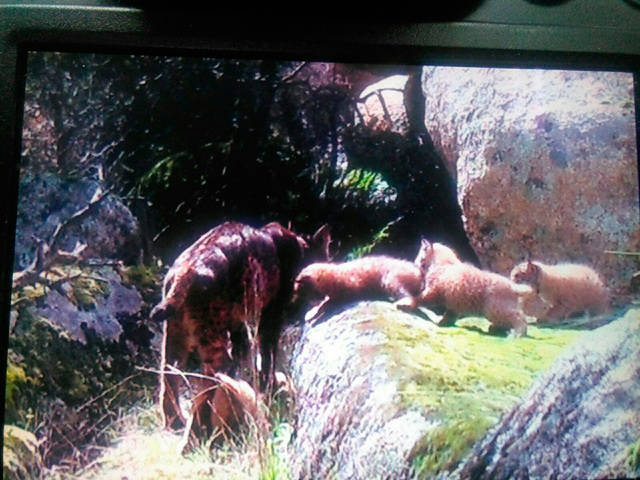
{"points": [[231, 284], [364, 278]]}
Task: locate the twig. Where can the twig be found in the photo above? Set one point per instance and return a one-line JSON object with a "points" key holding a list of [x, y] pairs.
{"points": [[155, 238], [48, 253], [377, 93], [95, 399], [177, 371], [98, 196], [64, 437], [297, 70], [622, 252]]}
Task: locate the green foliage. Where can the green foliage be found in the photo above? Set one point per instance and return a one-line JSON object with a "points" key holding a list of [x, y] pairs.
{"points": [[87, 290], [15, 380], [442, 446], [164, 174], [633, 457], [146, 279], [367, 248], [465, 379], [64, 391], [364, 180], [20, 454], [274, 462]]}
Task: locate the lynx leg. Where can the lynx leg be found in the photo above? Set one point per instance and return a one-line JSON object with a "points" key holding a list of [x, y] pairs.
{"points": [[429, 295], [448, 319], [407, 303], [315, 312], [174, 353], [557, 312], [505, 321]]}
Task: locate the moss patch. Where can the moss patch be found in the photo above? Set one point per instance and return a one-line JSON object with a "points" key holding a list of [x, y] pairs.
{"points": [[633, 457], [464, 379], [147, 279], [87, 291], [20, 455]]}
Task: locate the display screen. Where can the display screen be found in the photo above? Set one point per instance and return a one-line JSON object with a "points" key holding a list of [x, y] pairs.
{"points": [[449, 286]]}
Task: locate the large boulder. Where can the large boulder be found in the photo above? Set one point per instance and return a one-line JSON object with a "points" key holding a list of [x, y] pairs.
{"points": [[545, 163], [350, 422], [580, 420], [382, 393]]}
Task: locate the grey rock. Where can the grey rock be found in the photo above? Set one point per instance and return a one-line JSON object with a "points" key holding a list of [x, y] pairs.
{"points": [[101, 321], [578, 421], [545, 163], [350, 424], [110, 231]]}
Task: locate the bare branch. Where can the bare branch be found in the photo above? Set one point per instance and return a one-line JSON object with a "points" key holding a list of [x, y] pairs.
{"points": [[48, 254], [292, 75]]}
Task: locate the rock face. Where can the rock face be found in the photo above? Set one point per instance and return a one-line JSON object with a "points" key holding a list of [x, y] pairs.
{"points": [[578, 421], [110, 231], [103, 319], [381, 105], [349, 423], [545, 163]]}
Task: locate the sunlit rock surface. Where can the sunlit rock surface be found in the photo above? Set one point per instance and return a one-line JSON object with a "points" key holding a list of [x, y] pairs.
{"points": [[545, 163], [350, 423], [581, 419], [381, 106]]}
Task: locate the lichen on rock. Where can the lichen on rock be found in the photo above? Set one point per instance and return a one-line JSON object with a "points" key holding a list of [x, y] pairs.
{"points": [[545, 163], [386, 394]]}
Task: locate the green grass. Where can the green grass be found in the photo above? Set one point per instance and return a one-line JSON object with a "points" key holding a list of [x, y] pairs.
{"points": [[464, 379], [633, 457], [20, 455]]}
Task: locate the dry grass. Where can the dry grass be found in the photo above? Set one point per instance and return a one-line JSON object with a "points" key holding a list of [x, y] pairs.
{"points": [[142, 450]]}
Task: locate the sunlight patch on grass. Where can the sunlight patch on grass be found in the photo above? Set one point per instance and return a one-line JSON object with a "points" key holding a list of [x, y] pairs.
{"points": [[146, 453], [464, 379], [142, 450]]}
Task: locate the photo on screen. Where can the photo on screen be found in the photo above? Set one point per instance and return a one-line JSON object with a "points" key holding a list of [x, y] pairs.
{"points": [[235, 267]]}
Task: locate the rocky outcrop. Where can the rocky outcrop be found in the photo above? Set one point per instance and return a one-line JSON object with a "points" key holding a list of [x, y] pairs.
{"points": [[110, 307], [545, 163], [350, 423], [580, 420], [109, 229], [381, 105]]}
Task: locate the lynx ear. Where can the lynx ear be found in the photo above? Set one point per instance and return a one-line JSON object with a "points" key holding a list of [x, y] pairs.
{"points": [[424, 243], [533, 269]]}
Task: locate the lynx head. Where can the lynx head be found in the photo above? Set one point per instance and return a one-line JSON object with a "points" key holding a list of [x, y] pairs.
{"points": [[431, 254], [527, 273]]}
